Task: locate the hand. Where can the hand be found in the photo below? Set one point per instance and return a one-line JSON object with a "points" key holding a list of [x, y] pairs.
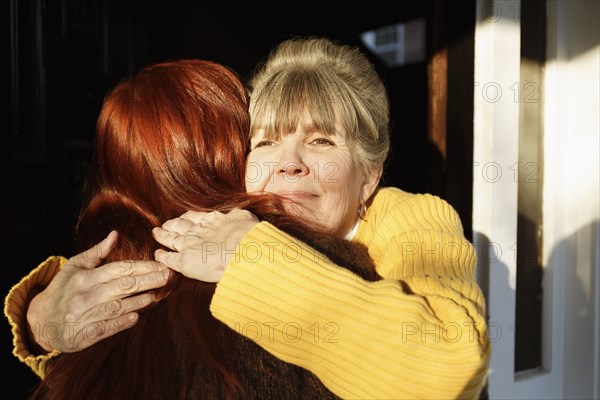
{"points": [[84, 304], [203, 243]]}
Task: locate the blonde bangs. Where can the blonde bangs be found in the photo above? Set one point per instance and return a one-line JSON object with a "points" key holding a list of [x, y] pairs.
{"points": [[282, 100]]}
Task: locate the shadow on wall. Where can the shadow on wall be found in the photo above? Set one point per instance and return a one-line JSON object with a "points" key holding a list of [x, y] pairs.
{"points": [[576, 261], [572, 282]]}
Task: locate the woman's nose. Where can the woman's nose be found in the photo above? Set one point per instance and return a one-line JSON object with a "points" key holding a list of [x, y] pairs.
{"points": [[292, 164], [293, 169]]}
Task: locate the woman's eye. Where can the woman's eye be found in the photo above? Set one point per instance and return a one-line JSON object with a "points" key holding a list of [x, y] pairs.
{"points": [[264, 143], [322, 141]]}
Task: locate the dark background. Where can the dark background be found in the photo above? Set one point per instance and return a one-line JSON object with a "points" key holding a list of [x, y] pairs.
{"points": [[60, 57]]}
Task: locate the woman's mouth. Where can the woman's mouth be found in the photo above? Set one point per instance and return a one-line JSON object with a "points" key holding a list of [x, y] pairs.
{"points": [[296, 194]]}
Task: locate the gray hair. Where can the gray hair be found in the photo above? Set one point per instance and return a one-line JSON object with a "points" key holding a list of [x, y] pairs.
{"points": [[333, 83]]}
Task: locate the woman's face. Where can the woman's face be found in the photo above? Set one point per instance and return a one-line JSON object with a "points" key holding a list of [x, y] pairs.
{"points": [[315, 170]]}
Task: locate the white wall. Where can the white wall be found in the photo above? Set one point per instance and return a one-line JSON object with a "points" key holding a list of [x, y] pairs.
{"points": [[572, 191], [571, 195]]}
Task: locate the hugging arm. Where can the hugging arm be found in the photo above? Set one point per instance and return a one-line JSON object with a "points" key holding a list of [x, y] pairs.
{"points": [[68, 305], [418, 333], [420, 337]]}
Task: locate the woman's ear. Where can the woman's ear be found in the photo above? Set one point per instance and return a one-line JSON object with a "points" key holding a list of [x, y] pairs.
{"points": [[370, 183]]}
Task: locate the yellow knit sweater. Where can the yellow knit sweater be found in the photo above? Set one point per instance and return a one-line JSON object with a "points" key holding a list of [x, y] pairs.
{"points": [[418, 333]]}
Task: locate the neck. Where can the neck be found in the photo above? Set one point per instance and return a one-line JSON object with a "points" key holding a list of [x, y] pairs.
{"points": [[352, 232]]}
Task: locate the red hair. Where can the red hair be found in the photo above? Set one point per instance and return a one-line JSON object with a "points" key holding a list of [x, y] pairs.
{"points": [[170, 139]]}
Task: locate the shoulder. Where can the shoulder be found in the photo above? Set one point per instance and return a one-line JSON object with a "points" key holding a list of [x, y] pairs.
{"points": [[389, 198], [422, 210]]}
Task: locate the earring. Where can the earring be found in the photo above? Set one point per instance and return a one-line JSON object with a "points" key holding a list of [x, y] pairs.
{"points": [[362, 210]]}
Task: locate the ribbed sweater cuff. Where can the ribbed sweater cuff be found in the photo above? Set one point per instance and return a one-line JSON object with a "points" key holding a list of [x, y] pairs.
{"points": [[15, 309]]}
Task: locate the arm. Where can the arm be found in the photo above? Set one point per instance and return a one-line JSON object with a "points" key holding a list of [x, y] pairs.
{"points": [[52, 309], [419, 338], [419, 333]]}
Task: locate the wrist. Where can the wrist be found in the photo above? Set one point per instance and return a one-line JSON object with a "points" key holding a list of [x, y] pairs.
{"points": [[35, 338]]}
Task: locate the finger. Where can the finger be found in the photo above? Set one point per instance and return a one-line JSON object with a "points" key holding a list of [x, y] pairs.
{"points": [[118, 307], [129, 285], [194, 216], [122, 289], [212, 215], [176, 261], [165, 237], [243, 213], [94, 333], [178, 225], [118, 269], [170, 259], [92, 257]]}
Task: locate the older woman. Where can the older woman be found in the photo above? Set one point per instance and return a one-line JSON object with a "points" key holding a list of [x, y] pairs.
{"points": [[319, 139]]}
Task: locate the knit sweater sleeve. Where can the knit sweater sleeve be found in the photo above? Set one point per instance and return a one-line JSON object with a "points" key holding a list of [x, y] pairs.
{"points": [[418, 333], [15, 309]]}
